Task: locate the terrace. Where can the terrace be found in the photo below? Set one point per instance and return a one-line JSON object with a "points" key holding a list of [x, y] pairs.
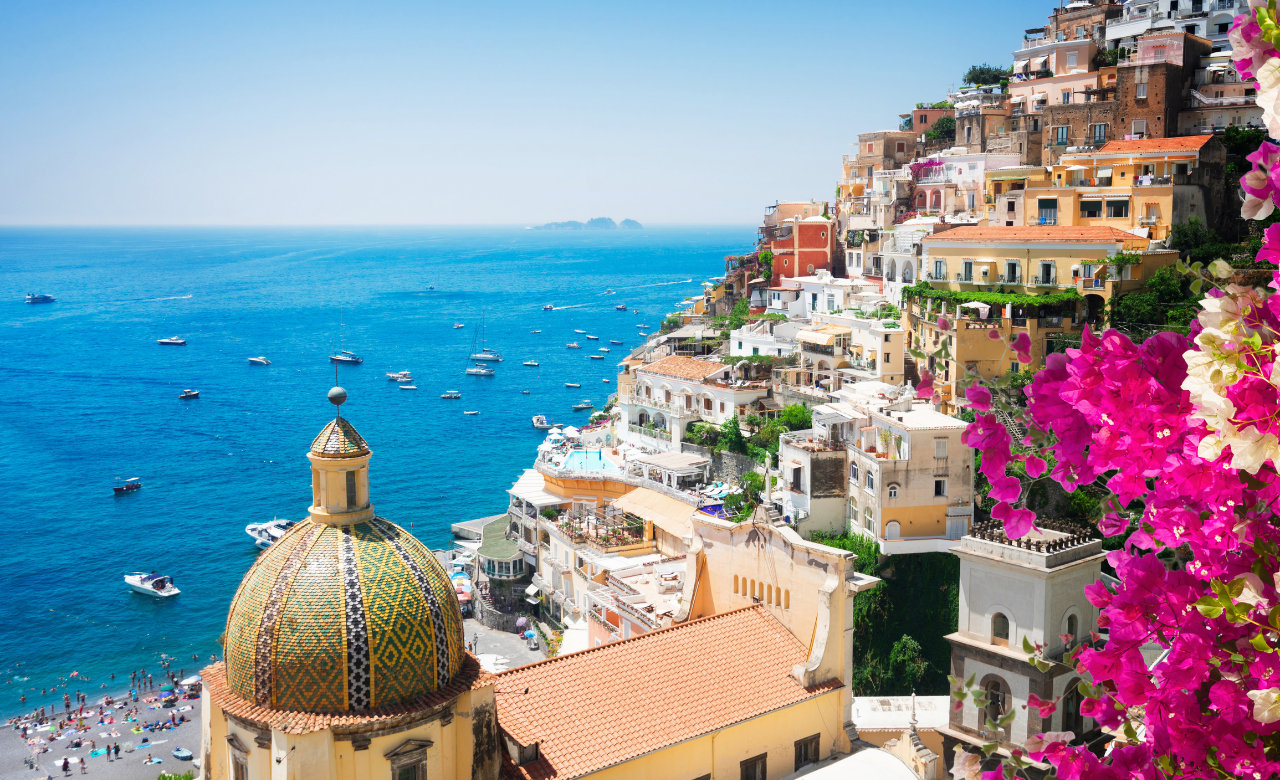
{"points": [[604, 529]]}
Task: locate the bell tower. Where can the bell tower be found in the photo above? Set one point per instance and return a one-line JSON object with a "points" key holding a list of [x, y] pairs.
{"points": [[340, 471]]}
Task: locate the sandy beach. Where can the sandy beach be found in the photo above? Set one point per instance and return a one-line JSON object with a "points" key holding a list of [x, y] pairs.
{"points": [[130, 766]]}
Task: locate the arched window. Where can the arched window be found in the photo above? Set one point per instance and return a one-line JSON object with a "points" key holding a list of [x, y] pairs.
{"points": [[893, 491], [937, 200], [753, 589], [996, 700], [1000, 630], [853, 473], [735, 584], [1073, 628], [786, 599], [1072, 720], [768, 594], [893, 530]]}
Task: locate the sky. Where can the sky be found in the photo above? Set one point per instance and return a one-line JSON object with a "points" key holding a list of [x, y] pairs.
{"points": [[377, 113]]}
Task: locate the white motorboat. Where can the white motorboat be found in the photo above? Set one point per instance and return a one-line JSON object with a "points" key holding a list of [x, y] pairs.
{"points": [[572, 345], [451, 394], [596, 357], [158, 585], [266, 534], [260, 361], [593, 338], [582, 406], [408, 387], [535, 331], [614, 341], [40, 298], [579, 331], [606, 381], [572, 384], [604, 349], [471, 412], [399, 376], [173, 341], [480, 369], [349, 358], [457, 325], [531, 363], [540, 422], [621, 307], [524, 392], [548, 307], [189, 394]]}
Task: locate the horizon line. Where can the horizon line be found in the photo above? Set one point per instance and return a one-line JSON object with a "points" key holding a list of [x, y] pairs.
{"points": [[4, 225]]}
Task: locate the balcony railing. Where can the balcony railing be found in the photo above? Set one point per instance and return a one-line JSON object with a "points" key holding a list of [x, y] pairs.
{"points": [[1048, 218], [1049, 322], [1019, 322], [655, 433], [1148, 220], [962, 277], [1009, 279], [1044, 281]]}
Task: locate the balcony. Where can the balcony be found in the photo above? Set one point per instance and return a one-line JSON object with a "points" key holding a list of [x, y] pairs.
{"points": [[1009, 279], [1204, 100], [655, 433], [1049, 322], [1048, 218], [1148, 220], [1152, 181], [964, 278], [1044, 281]]}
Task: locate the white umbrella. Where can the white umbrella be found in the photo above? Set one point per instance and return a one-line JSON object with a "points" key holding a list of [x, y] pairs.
{"points": [[192, 680], [1078, 168]]}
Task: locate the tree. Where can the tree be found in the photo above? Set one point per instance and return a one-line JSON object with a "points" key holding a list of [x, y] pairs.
{"points": [[1191, 234], [738, 317], [797, 417], [1242, 141], [766, 265], [944, 127], [985, 74], [731, 437]]}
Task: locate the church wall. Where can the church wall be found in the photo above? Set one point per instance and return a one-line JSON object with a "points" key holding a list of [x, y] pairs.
{"points": [[1066, 596], [1018, 686], [988, 589]]}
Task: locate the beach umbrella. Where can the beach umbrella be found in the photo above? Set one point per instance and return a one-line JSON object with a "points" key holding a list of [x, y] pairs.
{"points": [[166, 687], [529, 634], [192, 680], [521, 621]]}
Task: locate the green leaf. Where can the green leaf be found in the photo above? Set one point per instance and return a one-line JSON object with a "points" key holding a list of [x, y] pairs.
{"points": [[1043, 666], [1259, 643], [1086, 690], [1008, 717], [1027, 646], [969, 682], [1209, 607], [1236, 587], [1129, 732], [992, 725], [990, 747]]}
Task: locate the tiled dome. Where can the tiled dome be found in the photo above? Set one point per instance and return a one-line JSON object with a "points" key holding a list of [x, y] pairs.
{"points": [[343, 618], [339, 439]]}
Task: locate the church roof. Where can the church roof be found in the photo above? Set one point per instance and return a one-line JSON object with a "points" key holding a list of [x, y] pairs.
{"points": [[649, 692], [339, 439], [343, 619]]}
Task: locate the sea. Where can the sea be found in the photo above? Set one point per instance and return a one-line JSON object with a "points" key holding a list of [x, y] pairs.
{"points": [[88, 399]]}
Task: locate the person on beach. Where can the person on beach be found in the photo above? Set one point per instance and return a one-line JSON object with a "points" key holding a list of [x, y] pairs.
{"points": [[66, 766]]}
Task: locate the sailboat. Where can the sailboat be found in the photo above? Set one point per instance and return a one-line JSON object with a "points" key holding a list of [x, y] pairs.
{"points": [[485, 354], [479, 368], [344, 356]]}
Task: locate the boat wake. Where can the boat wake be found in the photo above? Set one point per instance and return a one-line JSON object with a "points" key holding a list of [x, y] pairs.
{"points": [[150, 300], [655, 284]]}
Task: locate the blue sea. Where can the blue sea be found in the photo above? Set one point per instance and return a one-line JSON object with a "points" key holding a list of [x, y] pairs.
{"points": [[88, 398]]}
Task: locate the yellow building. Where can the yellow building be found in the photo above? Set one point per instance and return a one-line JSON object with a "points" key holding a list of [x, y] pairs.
{"points": [[1006, 193], [1145, 186], [1076, 270]]}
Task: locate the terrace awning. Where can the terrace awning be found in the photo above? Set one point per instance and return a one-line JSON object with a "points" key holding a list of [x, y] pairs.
{"points": [[814, 337], [530, 488], [1020, 64], [670, 514], [1038, 63], [1104, 172], [1018, 98]]}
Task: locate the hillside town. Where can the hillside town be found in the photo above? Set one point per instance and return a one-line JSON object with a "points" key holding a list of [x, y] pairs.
{"points": [[770, 552]]}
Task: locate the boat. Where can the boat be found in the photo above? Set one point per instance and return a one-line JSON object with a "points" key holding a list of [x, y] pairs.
{"points": [[593, 338], [687, 281], [40, 298], [582, 406], [579, 331], [604, 349], [399, 376], [524, 392], [259, 361], [173, 341], [451, 394], [131, 484], [531, 363], [608, 291], [457, 325], [596, 357], [540, 422], [572, 384], [535, 331], [344, 356], [621, 307], [408, 387], [484, 353], [479, 369], [189, 394], [266, 534], [614, 341], [471, 412], [573, 345], [643, 326], [606, 381], [159, 585]]}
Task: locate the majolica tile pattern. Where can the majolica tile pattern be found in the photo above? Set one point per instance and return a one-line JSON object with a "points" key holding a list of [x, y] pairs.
{"points": [[343, 619], [339, 439]]}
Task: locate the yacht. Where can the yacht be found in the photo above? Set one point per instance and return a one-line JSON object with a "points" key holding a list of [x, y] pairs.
{"points": [[593, 338], [621, 307], [596, 357], [608, 291], [535, 331], [614, 341], [479, 369], [159, 585], [579, 331], [189, 394], [540, 422], [399, 376], [643, 326], [531, 363], [131, 484], [173, 341], [605, 349], [572, 384], [573, 345], [346, 357], [476, 412], [451, 394], [457, 325], [483, 353], [524, 392], [266, 534], [548, 307], [408, 387], [606, 381], [582, 406], [259, 361], [40, 298]]}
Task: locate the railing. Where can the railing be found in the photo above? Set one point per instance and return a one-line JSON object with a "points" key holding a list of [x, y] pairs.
{"points": [[1235, 100], [942, 179], [651, 432], [1009, 279], [1156, 181], [637, 614], [1019, 322], [1148, 220], [526, 546], [962, 277], [1049, 322], [1044, 281]]}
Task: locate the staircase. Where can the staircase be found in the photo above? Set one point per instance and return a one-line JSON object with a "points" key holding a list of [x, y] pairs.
{"points": [[909, 371]]}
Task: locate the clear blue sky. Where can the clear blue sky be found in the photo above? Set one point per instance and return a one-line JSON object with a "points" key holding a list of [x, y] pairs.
{"points": [[228, 112]]}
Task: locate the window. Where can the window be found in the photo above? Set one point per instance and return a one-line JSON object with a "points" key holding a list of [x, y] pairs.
{"points": [[1192, 28], [1000, 630], [1060, 133], [806, 751], [888, 356], [754, 768], [735, 583], [1072, 720], [939, 488], [1117, 209], [853, 473], [739, 345], [995, 700], [1224, 28], [239, 768], [1013, 367], [893, 491], [939, 269], [1098, 133], [867, 518], [1140, 125], [902, 147], [706, 404], [1142, 92], [1073, 629], [1090, 209], [351, 489], [939, 448], [871, 481], [1079, 35]]}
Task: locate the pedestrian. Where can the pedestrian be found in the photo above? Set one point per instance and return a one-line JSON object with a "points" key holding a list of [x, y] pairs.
{"points": [[66, 766], [117, 749], [84, 767]]}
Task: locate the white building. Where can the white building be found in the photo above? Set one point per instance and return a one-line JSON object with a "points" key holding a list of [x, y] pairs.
{"points": [[764, 337], [953, 186], [673, 392], [1218, 99], [1206, 18]]}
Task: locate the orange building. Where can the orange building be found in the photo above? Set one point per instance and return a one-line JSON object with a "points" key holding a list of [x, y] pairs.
{"points": [[803, 246]]}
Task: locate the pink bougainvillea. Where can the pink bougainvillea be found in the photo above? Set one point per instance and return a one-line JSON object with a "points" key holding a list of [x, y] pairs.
{"points": [[1183, 433]]}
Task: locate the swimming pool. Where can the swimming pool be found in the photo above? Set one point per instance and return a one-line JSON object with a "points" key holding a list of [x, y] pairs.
{"points": [[588, 460]]}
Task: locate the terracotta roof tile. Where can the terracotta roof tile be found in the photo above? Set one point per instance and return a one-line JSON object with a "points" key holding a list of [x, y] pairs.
{"points": [[214, 678], [609, 704], [1186, 143], [684, 368], [1050, 234]]}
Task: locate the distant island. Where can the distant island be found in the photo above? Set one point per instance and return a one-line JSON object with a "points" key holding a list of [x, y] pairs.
{"points": [[599, 223]]}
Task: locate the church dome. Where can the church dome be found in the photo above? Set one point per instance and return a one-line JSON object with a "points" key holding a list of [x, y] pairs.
{"points": [[343, 619], [344, 613]]}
